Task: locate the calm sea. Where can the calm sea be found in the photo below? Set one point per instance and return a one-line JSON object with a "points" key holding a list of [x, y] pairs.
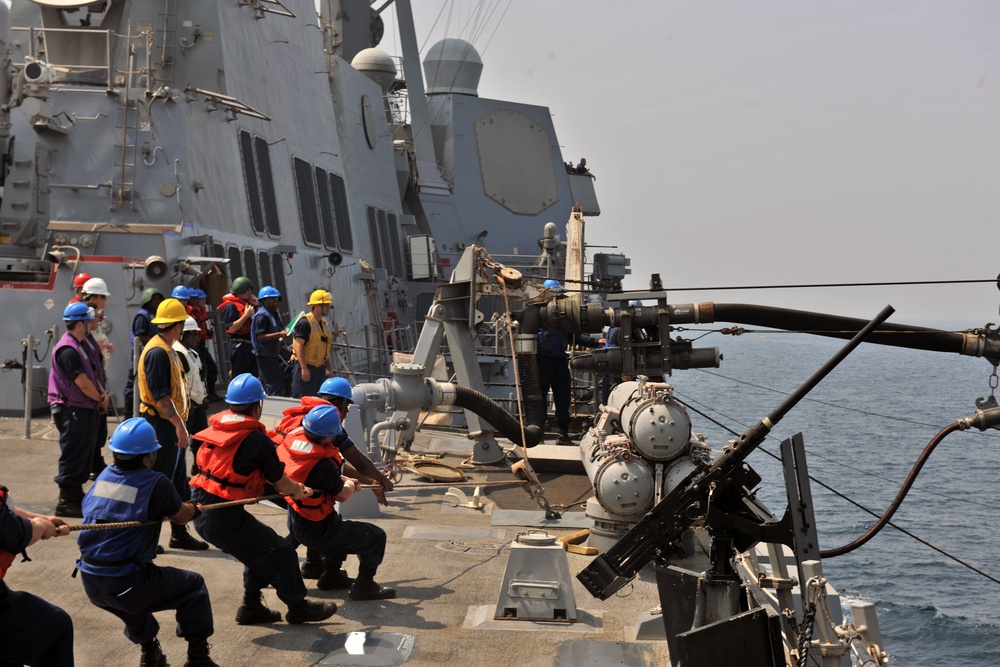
{"points": [[864, 426]]}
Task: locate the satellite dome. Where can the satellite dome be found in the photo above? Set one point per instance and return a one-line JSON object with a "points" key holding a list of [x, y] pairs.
{"points": [[377, 65], [453, 66]]}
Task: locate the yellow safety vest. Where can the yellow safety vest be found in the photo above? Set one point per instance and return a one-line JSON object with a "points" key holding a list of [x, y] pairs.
{"points": [[178, 385], [317, 347]]}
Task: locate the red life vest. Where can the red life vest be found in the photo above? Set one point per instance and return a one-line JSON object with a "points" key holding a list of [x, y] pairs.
{"points": [[220, 442], [6, 557], [293, 418], [300, 455], [241, 307]]}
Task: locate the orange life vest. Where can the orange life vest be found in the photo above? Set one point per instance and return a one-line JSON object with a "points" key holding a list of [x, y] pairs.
{"points": [[292, 418], [300, 455], [241, 307], [6, 557], [220, 442]]}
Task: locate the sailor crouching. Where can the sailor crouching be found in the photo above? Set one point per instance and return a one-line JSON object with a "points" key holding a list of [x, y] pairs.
{"points": [[116, 565], [311, 457], [234, 461]]}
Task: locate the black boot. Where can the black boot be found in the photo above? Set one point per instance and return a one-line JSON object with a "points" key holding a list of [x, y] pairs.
{"points": [[333, 578], [313, 567], [365, 588], [180, 538], [253, 610], [198, 654], [305, 611], [70, 502], [152, 655], [98, 466]]}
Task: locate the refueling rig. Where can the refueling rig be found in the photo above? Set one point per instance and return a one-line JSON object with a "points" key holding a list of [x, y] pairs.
{"points": [[762, 594]]}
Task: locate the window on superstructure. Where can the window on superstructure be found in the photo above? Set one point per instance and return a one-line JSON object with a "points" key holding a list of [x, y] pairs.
{"points": [[397, 255], [263, 152], [373, 235], [250, 267], [308, 213], [325, 208], [265, 269], [343, 218], [235, 263], [252, 182], [216, 250], [278, 271]]}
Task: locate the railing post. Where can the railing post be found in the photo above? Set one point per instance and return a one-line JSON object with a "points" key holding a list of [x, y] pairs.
{"points": [[29, 366]]}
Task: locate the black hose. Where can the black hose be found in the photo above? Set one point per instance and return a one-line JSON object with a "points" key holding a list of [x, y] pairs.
{"points": [[496, 416], [898, 500], [532, 401], [837, 326]]}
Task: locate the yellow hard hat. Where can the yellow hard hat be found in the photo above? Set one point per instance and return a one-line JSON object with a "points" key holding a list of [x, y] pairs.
{"points": [[170, 311], [319, 297]]}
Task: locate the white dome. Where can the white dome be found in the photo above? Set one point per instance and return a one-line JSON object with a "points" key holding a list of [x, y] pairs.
{"points": [[453, 66], [377, 65]]}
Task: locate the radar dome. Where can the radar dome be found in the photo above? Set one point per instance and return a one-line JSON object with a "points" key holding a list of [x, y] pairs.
{"points": [[453, 66], [377, 65]]}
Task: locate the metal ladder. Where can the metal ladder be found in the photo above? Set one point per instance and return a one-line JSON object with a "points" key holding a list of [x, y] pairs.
{"points": [[126, 129]]}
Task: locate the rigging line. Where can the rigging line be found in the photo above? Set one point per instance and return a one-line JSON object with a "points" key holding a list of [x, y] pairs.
{"points": [[496, 27], [810, 285], [862, 507], [832, 405], [829, 460]]}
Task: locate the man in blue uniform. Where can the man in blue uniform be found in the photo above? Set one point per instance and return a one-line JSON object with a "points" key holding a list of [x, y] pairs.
{"points": [[32, 631], [75, 395], [553, 368], [311, 458], [142, 329], [117, 565], [267, 332], [237, 310]]}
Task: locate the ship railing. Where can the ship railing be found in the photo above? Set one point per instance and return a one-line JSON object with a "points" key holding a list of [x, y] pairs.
{"points": [[63, 72]]}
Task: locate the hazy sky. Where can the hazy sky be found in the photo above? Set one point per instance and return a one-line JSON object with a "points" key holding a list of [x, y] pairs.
{"points": [[746, 142]]}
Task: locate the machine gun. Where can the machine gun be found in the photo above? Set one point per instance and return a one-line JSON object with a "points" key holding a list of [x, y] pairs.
{"points": [[721, 492]]}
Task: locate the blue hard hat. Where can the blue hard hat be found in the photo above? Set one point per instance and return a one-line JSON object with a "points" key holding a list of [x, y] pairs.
{"points": [[267, 292], [323, 420], [77, 311], [338, 387], [551, 283], [197, 293], [244, 390], [134, 436], [181, 292]]}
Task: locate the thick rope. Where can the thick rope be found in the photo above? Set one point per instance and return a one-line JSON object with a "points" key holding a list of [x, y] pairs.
{"points": [[139, 524]]}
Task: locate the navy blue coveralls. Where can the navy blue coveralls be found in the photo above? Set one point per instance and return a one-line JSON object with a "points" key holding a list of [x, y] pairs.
{"points": [[553, 370], [269, 361]]}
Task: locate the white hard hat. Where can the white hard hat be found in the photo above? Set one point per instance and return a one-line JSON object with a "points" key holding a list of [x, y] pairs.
{"points": [[190, 325], [96, 286]]}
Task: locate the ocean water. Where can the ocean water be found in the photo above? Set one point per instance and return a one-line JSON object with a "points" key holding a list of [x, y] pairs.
{"points": [[864, 426]]}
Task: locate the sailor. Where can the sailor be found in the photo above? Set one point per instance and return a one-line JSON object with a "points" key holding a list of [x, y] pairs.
{"points": [[335, 392], [78, 282], [310, 457], [237, 311], [583, 170], [197, 393], [235, 460], [311, 341], [266, 333], [182, 294], [142, 330], [117, 565], [553, 368], [75, 395], [95, 295], [198, 309], [32, 631], [163, 401]]}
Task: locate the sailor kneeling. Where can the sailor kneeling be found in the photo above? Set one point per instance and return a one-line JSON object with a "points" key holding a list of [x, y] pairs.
{"points": [[116, 565], [311, 458]]}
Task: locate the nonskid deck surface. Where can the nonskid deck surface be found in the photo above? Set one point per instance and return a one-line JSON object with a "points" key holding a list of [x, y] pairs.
{"points": [[446, 564]]}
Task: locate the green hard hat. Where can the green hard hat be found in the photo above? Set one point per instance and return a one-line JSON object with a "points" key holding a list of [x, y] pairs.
{"points": [[148, 294], [241, 285]]}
